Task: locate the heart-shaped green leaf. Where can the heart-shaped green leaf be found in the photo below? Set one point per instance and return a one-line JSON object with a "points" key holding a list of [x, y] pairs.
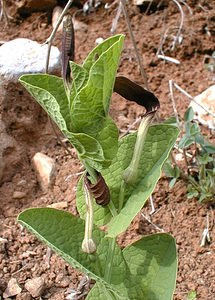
{"points": [[158, 143], [64, 233]]}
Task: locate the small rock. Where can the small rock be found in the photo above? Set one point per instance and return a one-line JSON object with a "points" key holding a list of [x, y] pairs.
{"points": [[45, 168], [59, 205], [35, 286], [19, 195], [24, 296], [99, 40], [12, 289], [207, 100], [3, 285], [62, 281], [79, 26], [146, 3], [22, 183], [57, 11]]}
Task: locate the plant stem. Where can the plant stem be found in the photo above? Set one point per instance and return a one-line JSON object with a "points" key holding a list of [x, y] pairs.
{"points": [[112, 241], [112, 208], [186, 162], [91, 172], [121, 195], [109, 262]]}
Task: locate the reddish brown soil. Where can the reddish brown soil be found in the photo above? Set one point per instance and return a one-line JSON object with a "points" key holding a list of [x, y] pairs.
{"points": [[23, 256]]}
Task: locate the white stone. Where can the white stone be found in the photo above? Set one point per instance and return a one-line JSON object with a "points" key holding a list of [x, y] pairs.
{"points": [[24, 56], [35, 286], [207, 100], [99, 40], [45, 168], [12, 289], [147, 2]]}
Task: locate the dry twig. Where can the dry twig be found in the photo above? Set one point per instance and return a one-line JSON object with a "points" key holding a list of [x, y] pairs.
{"points": [[49, 42], [3, 12], [142, 71], [52, 36], [205, 234], [116, 19], [177, 38], [150, 222]]}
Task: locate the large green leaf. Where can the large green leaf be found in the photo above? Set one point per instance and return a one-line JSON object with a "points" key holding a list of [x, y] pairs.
{"points": [[79, 79], [159, 141], [91, 104], [64, 233], [89, 108], [151, 274], [158, 144], [49, 92], [144, 270], [152, 262], [100, 292], [83, 115], [103, 47]]}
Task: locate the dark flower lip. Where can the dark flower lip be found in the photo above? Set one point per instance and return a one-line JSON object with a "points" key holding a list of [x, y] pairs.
{"points": [[68, 47], [100, 191], [134, 92]]}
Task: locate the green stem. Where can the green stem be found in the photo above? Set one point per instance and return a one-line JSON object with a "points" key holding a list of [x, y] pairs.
{"points": [[109, 261], [194, 184], [112, 241], [112, 208], [91, 172], [121, 195]]}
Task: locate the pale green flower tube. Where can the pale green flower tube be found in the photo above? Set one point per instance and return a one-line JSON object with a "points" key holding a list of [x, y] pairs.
{"points": [[88, 245], [130, 174]]}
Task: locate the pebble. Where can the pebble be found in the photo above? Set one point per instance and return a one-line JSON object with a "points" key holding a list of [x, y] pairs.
{"points": [[35, 286], [12, 289], [62, 281], [45, 168], [19, 195], [3, 284], [79, 26], [23, 296], [149, 2], [59, 205], [207, 100], [57, 11]]}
